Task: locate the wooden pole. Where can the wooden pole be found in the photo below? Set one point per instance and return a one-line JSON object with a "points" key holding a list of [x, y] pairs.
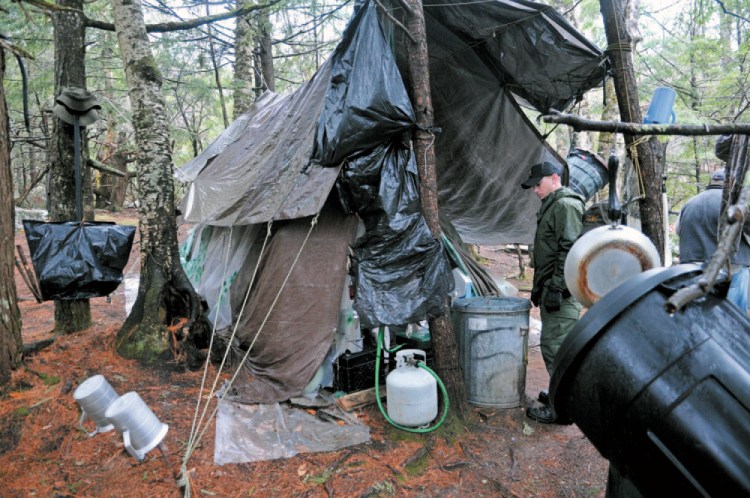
{"points": [[441, 329], [644, 153]]}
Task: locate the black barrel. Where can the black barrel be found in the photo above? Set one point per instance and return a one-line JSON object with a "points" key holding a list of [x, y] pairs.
{"points": [[665, 398]]}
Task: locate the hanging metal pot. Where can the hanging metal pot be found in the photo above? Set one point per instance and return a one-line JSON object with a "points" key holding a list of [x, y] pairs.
{"points": [[605, 257]]}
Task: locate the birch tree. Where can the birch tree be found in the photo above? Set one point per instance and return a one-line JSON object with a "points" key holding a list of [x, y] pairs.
{"points": [[165, 293]]}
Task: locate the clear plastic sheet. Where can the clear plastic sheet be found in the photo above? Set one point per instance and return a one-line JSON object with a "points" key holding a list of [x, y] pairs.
{"points": [[250, 433]]}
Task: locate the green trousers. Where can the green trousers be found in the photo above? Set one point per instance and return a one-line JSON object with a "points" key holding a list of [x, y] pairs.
{"points": [[555, 327]]}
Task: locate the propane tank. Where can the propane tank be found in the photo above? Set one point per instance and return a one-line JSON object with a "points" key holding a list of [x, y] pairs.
{"points": [[411, 391]]}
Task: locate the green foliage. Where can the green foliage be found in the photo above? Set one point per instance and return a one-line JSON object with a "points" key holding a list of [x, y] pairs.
{"points": [[306, 32]]}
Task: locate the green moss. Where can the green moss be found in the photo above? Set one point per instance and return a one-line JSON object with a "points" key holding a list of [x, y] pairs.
{"points": [[147, 69], [418, 466]]}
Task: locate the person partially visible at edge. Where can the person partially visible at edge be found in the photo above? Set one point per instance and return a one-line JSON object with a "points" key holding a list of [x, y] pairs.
{"points": [[559, 222], [698, 229]]}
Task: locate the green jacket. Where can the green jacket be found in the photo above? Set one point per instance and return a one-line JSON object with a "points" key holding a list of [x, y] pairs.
{"points": [[559, 223]]}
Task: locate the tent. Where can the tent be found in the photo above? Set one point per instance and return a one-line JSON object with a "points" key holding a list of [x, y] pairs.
{"points": [[275, 196]]}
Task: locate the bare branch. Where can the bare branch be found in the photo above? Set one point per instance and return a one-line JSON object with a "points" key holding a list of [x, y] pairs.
{"points": [[395, 21], [723, 7], [184, 25], [581, 124]]}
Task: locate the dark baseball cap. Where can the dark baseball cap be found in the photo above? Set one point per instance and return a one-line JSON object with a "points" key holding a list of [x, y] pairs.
{"points": [[539, 171], [717, 176]]}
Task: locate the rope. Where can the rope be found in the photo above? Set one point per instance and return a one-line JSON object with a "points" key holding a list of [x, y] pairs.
{"points": [[211, 341], [637, 164], [184, 480], [193, 441], [627, 47]]}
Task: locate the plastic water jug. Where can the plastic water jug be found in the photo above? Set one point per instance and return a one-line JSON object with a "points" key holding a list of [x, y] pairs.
{"points": [[411, 391], [660, 108]]}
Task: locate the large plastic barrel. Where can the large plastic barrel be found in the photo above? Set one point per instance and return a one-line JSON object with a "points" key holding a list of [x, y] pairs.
{"points": [[666, 398], [493, 336], [588, 172]]}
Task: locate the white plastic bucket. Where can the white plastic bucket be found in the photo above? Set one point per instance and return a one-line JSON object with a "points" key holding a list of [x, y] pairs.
{"points": [[143, 430], [95, 395]]}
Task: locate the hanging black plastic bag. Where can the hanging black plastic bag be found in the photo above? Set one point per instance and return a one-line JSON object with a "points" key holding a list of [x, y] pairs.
{"points": [[367, 103], [400, 270], [76, 260]]}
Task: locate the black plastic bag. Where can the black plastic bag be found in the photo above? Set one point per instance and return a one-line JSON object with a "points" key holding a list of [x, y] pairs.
{"points": [[400, 270], [75, 260], [367, 103]]}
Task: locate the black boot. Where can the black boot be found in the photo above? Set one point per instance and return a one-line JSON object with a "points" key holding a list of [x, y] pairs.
{"points": [[544, 414]]}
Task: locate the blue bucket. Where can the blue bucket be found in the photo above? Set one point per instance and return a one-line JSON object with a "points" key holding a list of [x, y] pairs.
{"points": [[660, 108]]}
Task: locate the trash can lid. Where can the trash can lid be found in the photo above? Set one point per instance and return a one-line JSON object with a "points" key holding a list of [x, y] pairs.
{"points": [[492, 304]]}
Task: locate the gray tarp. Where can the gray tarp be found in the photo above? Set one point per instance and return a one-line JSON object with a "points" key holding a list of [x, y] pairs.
{"points": [[265, 173], [483, 56], [479, 53]]}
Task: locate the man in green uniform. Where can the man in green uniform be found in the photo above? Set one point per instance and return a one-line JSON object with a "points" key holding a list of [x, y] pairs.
{"points": [[559, 222]]}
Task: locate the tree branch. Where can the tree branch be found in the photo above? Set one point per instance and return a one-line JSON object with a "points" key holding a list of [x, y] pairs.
{"points": [[184, 25], [93, 163], [581, 124], [723, 7], [395, 21]]}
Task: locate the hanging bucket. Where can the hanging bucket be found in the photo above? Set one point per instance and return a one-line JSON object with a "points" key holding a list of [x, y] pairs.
{"points": [[493, 336], [142, 429], [95, 395], [665, 398], [660, 109], [587, 172]]}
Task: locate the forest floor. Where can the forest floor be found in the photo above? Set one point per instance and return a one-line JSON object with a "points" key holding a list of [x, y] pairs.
{"points": [[44, 453]]}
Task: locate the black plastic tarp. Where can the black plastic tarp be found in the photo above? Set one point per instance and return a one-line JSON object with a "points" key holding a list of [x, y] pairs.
{"points": [[367, 103], [400, 271], [75, 260]]}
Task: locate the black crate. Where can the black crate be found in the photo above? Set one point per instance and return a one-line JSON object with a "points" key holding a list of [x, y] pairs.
{"points": [[356, 371]]}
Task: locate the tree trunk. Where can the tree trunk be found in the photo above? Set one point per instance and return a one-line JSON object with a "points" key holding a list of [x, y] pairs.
{"points": [[217, 74], [441, 328], [643, 154], [113, 188], [11, 346], [265, 52], [165, 294], [70, 67], [243, 64]]}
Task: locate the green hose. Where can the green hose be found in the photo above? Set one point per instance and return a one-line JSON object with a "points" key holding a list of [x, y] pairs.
{"points": [[420, 364]]}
